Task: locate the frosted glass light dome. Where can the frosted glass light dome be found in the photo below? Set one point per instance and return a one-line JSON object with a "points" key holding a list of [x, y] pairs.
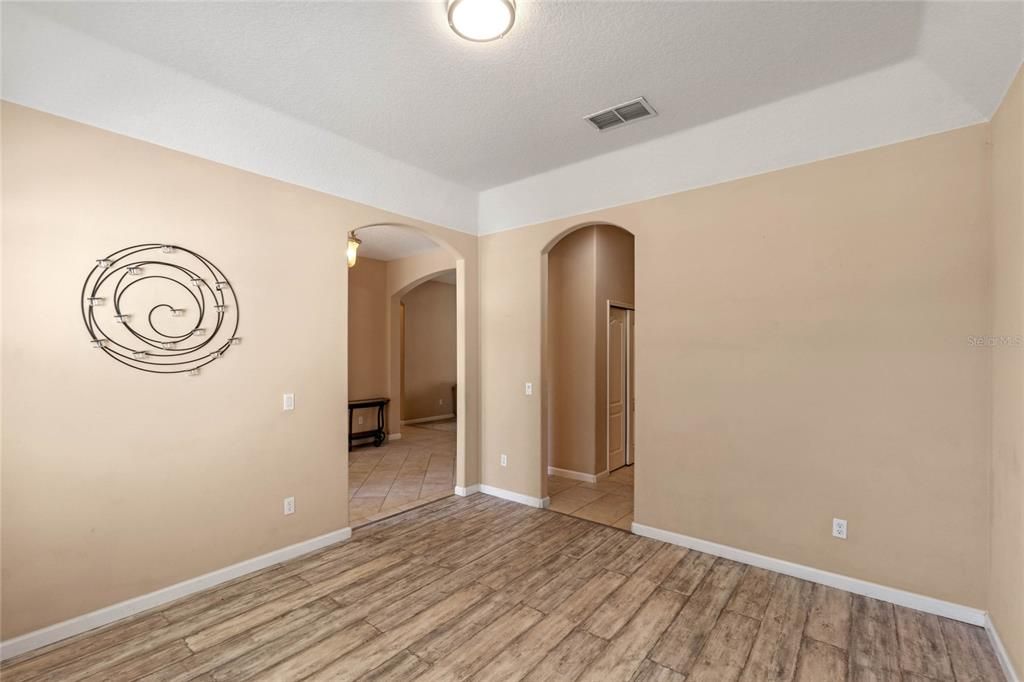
{"points": [[481, 20]]}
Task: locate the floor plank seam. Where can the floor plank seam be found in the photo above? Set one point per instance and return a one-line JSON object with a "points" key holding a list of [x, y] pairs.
{"points": [[718, 617], [750, 651]]}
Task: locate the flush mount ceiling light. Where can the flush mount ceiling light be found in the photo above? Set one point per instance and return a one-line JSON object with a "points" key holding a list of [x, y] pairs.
{"points": [[481, 20]]}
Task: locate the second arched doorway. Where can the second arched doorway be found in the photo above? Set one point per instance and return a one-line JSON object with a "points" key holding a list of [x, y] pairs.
{"points": [[588, 392]]}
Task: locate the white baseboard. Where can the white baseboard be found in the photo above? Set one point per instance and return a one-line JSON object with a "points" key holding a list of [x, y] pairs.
{"points": [[577, 475], [468, 490], [424, 420], [574, 475], [539, 502], [105, 616], [394, 436], [920, 602], [1001, 653]]}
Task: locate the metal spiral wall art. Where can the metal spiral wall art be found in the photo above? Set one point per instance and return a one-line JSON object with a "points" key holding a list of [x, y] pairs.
{"points": [[160, 308]]}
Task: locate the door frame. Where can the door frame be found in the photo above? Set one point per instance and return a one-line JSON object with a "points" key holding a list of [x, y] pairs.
{"points": [[631, 310]]}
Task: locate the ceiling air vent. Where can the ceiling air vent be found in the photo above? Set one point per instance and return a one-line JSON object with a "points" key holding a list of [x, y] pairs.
{"points": [[622, 113]]}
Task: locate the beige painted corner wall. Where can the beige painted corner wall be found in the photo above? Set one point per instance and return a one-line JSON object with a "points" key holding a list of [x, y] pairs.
{"points": [[367, 333], [429, 342], [802, 353], [1006, 585], [115, 482], [585, 269]]}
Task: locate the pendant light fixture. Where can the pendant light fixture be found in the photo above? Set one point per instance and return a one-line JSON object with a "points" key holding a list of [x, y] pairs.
{"points": [[481, 20], [353, 248]]}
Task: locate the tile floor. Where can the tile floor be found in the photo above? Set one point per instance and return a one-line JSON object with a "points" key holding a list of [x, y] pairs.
{"points": [[401, 474], [609, 501]]}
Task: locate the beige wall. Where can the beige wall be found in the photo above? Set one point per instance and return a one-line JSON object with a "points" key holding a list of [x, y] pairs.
{"points": [[404, 275], [367, 334], [116, 482], [429, 343], [1006, 587], [572, 381], [802, 353], [585, 270]]}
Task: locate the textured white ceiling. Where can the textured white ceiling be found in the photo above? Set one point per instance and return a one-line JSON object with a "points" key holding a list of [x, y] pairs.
{"points": [[393, 76], [53, 68], [391, 242], [381, 102]]}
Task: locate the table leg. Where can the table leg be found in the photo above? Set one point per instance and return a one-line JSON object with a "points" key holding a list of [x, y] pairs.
{"points": [[350, 411], [378, 440]]}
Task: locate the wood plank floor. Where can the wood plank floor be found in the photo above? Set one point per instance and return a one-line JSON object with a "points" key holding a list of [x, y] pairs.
{"points": [[481, 588]]}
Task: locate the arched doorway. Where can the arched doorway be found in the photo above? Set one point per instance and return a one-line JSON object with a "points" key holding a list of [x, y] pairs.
{"points": [[405, 257], [587, 364]]}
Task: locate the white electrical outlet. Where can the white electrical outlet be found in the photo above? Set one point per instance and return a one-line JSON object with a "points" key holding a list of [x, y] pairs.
{"points": [[839, 528], [289, 505], [504, 460], [288, 403], [529, 388]]}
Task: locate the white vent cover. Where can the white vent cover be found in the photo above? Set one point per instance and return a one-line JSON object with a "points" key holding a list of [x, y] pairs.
{"points": [[626, 112]]}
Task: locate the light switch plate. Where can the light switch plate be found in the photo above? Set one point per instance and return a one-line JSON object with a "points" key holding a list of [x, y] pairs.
{"points": [[289, 401]]}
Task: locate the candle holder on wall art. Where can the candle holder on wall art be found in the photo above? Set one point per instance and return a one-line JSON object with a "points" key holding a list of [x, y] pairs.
{"points": [[164, 316]]}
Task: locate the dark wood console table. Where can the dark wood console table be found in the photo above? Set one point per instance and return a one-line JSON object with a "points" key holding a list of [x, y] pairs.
{"points": [[378, 434]]}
